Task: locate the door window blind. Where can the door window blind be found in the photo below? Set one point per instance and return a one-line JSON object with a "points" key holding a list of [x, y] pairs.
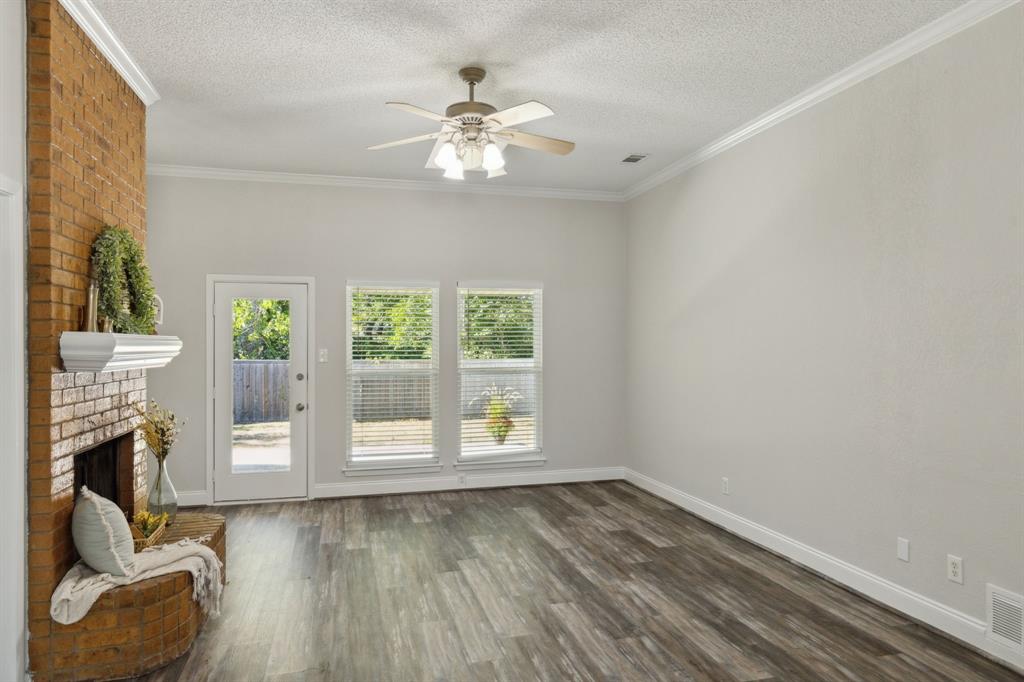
{"points": [[500, 370], [392, 372]]}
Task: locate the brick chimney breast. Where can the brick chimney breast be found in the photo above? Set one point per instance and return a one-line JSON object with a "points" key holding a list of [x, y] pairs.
{"points": [[87, 169]]}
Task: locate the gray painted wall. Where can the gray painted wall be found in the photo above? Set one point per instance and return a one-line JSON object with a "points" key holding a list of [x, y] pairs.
{"points": [[575, 248], [831, 315]]}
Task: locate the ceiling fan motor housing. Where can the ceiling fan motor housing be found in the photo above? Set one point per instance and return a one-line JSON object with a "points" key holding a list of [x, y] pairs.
{"points": [[469, 111]]}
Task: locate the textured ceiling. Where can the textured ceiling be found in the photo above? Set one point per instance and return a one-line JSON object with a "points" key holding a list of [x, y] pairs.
{"points": [[300, 85]]}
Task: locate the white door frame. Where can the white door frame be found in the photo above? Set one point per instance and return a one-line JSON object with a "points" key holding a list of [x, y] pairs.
{"points": [[13, 509], [311, 362]]}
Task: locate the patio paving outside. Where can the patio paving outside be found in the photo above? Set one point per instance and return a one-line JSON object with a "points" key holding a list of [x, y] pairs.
{"points": [[265, 447], [412, 436]]}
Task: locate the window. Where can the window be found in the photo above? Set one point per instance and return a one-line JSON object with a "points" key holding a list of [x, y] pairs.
{"points": [[392, 369], [500, 371]]}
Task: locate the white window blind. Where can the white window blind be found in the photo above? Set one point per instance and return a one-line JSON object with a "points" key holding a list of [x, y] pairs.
{"points": [[500, 370], [392, 372]]}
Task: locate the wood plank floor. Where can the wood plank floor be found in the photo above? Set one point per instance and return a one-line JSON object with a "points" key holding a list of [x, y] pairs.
{"points": [[597, 581]]}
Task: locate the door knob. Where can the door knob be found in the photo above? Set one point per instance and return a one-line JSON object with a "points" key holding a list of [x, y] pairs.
{"points": [[300, 407], [300, 376]]}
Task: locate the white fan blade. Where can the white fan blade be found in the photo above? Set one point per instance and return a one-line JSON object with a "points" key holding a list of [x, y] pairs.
{"points": [[418, 111], [521, 113], [433, 154], [538, 142], [408, 140]]}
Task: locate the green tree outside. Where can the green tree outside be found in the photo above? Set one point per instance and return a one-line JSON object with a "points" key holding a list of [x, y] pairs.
{"points": [[388, 326], [394, 327], [261, 328], [497, 327]]}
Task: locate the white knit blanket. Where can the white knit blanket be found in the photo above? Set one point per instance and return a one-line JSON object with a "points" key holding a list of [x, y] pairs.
{"points": [[82, 586]]}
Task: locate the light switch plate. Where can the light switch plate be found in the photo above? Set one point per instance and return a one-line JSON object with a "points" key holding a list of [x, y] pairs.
{"points": [[903, 549]]}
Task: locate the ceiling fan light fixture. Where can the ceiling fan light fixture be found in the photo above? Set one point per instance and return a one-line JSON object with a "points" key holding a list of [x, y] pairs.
{"points": [[471, 156], [446, 155], [493, 160], [474, 133], [454, 170]]}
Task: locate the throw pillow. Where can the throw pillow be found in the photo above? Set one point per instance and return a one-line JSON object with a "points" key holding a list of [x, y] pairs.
{"points": [[102, 536]]}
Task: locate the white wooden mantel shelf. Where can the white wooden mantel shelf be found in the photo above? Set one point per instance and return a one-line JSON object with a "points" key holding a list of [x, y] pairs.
{"points": [[98, 352]]}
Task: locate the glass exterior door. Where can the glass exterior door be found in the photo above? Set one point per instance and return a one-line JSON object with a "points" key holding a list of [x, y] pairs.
{"points": [[260, 380]]}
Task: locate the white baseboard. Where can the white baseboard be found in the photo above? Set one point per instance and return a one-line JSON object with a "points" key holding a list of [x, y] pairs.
{"points": [[490, 480], [957, 624], [423, 484], [194, 498], [389, 486], [508, 478]]}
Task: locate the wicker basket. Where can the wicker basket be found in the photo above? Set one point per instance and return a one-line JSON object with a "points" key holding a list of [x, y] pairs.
{"points": [[142, 542]]}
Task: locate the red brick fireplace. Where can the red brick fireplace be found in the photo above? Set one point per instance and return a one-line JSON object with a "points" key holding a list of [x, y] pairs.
{"points": [[87, 159], [87, 170]]}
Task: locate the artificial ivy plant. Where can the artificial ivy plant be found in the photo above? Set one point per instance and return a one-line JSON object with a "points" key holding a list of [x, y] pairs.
{"points": [[126, 289]]}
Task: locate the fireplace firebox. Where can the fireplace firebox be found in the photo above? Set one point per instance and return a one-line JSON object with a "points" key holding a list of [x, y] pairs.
{"points": [[107, 470]]}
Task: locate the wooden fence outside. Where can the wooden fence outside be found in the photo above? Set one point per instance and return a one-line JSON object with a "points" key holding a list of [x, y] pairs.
{"points": [[260, 394], [260, 389]]}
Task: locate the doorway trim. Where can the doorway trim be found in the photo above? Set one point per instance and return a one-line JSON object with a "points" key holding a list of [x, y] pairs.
{"points": [[311, 398], [13, 425]]}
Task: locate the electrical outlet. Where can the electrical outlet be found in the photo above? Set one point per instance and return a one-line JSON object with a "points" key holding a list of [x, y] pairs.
{"points": [[462, 480], [903, 549], [955, 569], [322, 355], [725, 485]]}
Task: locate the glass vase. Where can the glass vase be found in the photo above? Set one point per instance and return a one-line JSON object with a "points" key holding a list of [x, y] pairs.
{"points": [[163, 497]]}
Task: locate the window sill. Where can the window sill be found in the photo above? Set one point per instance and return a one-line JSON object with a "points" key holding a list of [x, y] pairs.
{"points": [[384, 469], [532, 458]]}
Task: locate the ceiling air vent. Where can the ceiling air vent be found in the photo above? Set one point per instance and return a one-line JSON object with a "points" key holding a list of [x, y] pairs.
{"points": [[634, 158], [1005, 617]]}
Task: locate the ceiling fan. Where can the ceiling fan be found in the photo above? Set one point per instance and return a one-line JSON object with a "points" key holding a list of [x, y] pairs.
{"points": [[473, 134]]}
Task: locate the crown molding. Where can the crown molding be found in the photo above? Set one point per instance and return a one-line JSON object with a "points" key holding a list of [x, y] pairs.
{"points": [[205, 173], [945, 26], [942, 28], [89, 18]]}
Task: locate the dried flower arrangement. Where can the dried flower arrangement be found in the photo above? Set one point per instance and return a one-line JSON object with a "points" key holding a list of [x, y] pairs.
{"points": [[160, 429]]}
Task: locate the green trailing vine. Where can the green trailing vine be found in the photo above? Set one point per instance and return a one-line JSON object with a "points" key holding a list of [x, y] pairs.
{"points": [[126, 289]]}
